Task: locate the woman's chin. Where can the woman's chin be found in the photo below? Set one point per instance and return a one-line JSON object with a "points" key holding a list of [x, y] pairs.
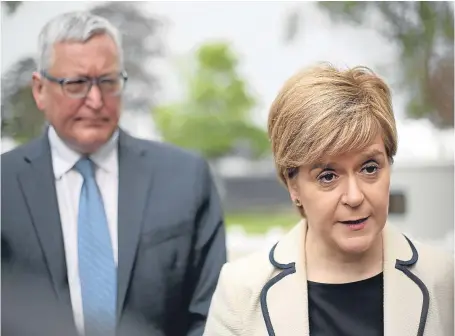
{"points": [[356, 245]]}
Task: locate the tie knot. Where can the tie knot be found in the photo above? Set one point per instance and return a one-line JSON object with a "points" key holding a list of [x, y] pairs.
{"points": [[85, 167]]}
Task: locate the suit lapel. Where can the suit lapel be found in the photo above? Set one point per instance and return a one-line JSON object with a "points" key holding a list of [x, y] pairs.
{"points": [[38, 186], [135, 179], [406, 298], [284, 298]]}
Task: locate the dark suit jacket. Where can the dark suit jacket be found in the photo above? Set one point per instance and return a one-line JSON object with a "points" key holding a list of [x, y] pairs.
{"points": [[171, 237]]}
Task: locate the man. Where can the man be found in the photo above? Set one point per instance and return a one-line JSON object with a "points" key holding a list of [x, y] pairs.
{"points": [[120, 233]]}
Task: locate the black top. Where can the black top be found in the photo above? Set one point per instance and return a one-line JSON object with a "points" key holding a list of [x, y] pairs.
{"points": [[350, 309]]}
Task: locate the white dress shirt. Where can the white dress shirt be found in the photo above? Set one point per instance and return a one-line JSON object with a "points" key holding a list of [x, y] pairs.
{"points": [[68, 183]]}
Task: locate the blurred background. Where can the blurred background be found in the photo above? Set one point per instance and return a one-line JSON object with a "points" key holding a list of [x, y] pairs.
{"points": [[203, 74]]}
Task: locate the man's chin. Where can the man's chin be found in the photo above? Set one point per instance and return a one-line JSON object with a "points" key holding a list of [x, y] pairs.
{"points": [[90, 142]]}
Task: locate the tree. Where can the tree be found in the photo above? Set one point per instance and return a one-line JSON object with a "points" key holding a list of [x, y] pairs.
{"points": [[21, 119], [141, 34], [141, 37], [11, 6], [424, 34], [214, 117]]}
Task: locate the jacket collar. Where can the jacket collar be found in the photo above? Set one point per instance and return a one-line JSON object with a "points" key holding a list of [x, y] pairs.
{"points": [[406, 298], [290, 249]]}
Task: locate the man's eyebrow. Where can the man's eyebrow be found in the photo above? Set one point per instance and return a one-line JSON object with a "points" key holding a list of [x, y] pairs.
{"points": [[80, 75], [108, 74]]}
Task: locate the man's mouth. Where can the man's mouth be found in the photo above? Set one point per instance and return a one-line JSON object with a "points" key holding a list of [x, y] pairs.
{"points": [[355, 222], [93, 120]]}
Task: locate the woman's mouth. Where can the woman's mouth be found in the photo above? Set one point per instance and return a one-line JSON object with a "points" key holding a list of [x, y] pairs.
{"points": [[356, 224], [357, 221]]}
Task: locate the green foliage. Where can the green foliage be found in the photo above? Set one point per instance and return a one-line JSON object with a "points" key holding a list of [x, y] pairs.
{"points": [[214, 118], [142, 43], [26, 120], [21, 119], [424, 34], [262, 222], [11, 6]]}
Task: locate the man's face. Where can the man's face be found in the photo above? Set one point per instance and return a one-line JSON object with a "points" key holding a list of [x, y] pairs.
{"points": [[86, 123]]}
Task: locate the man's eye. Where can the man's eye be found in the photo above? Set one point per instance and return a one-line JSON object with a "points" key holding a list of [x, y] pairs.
{"points": [[109, 81], [110, 85], [76, 85]]}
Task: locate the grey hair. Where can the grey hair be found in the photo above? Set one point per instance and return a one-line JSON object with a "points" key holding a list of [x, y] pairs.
{"points": [[73, 27]]}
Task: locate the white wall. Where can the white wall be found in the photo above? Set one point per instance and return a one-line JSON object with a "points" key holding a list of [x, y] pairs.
{"points": [[429, 192]]}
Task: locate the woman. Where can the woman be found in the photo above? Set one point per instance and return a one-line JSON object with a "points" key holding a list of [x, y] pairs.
{"points": [[342, 271]]}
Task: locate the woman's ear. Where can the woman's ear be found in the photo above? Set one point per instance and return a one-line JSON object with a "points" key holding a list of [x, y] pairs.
{"points": [[293, 188], [38, 90]]}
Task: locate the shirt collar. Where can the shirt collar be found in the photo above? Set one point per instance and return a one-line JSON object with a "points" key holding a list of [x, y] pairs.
{"points": [[64, 158]]}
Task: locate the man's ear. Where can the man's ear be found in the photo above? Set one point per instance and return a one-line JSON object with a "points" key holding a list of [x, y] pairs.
{"points": [[38, 90]]}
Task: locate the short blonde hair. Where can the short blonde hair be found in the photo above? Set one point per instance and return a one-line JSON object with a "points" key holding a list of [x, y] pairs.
{"points": [[322, 111]]}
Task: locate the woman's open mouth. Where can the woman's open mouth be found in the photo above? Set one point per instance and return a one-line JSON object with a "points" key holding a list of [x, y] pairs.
{"points": [[357, 224]]}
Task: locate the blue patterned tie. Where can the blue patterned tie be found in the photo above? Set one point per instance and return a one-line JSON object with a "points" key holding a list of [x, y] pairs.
{"points": [[97, 269]]}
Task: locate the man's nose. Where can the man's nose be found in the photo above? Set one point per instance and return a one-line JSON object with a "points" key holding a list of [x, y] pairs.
{"points": [[94, 98]]}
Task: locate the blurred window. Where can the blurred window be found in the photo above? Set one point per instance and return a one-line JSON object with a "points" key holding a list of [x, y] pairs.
{"points": [[397, 203]]}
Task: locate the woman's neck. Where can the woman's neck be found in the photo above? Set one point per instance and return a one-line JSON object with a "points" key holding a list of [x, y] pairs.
{"points": [[328, 264]]}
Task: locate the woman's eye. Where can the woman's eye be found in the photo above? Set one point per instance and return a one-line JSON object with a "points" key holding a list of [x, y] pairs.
{"points": [[327, 178], [370, 169]]}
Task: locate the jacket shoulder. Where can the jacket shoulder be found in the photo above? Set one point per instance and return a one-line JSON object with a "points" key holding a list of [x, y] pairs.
{"points": [[253, 269], [13, 158], [168, 151], [172, 159], [245, 277], [236, 297], [435, 260], [435, 265]]}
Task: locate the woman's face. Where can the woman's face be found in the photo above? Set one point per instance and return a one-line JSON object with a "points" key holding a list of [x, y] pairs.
{"points": [[346, 197]]}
